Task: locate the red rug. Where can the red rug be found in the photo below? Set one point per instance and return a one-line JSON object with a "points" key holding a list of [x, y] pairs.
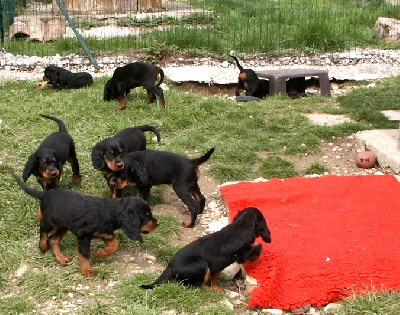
{"points": [[331, 236]]}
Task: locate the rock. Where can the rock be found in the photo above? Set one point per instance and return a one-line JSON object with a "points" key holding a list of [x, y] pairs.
{"points": [[230, 271], [217, 225], [388, 29], [331, 306], [272, 311]]}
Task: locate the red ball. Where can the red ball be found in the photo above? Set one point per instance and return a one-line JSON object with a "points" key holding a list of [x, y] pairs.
{"points": [[366, 159]]}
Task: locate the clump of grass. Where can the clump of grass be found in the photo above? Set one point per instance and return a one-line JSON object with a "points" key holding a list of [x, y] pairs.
{"points": [[370, 302], [316, 168], [173, 296], [276, 167]]}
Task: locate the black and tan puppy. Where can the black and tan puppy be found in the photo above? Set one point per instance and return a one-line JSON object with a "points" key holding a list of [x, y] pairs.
{"points": [[107, 154], [47, 162], [60, 78], [250, 83], [88, 217], [131, 76], [200, 262], [150, 167]]}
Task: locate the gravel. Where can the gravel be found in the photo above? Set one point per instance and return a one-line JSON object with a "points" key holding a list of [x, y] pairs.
{"points": [[357, 64]]}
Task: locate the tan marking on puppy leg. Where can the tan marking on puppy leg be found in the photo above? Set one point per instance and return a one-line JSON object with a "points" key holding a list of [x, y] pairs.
{"points": [[122, 103], [112, 246], [43, 246], [55, 248], [214, 283], [86, 268], [207, 280], [40, 215]]}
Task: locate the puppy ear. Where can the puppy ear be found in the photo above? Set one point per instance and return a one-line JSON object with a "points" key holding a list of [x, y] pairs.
{"points": [[141, 173], [29, 167], [130, 224], [60, 165], [264, 231], [97, 158], [121, 145]]}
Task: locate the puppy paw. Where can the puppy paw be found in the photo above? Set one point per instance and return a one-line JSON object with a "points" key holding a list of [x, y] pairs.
{"points": [[44, 246], [42, 85], [187, 224], [89, 272], [77, 179], [217, 288], [63, 260]]}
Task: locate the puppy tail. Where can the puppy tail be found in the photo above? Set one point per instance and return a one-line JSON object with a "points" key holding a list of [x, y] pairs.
{"points": [[203, 158], [161, 72], [164, 277], [237, 63], [30, 191], [150, 128], [61, 125]]}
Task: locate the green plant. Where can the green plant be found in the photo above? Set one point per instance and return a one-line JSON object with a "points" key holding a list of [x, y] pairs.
{"points": [[316, 168], [276, 167], [257, 27]]}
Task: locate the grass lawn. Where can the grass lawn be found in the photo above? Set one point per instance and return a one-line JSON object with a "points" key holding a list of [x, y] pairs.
{"points": [[250, 140]]}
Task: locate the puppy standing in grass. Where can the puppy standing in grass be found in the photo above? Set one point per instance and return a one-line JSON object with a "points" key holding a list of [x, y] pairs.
{"points": [[150, 167], [107, 155], [47, 162], [131, 76], [200, 262], [88, 217]]}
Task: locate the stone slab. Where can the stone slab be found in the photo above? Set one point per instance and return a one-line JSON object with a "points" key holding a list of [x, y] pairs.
{"points": [[384, 143], [392, 114]]}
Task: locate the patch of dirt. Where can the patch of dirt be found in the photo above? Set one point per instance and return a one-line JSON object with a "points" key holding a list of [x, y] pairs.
{"points": [[207, 90], [339, 156]]}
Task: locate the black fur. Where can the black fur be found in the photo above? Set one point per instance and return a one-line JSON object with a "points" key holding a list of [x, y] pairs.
{"points": [[150, 167], [88, 217], [107, 154], [60, 78], [200, 262], [131, 76], [249, 81], [47, 162]]}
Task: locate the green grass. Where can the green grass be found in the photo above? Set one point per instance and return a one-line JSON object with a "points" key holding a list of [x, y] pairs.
{"points": [[262, 27], [251, 140]]}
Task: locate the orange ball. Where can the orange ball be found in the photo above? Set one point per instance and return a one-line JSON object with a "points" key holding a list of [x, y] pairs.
{"points": [[366, 159]]}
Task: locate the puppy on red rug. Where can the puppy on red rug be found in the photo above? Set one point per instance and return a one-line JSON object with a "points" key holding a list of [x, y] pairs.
{"points": [[333, 236]]}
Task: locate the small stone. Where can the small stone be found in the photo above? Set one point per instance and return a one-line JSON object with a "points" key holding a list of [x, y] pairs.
{"points": [[272, 311], [331, 307]]}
